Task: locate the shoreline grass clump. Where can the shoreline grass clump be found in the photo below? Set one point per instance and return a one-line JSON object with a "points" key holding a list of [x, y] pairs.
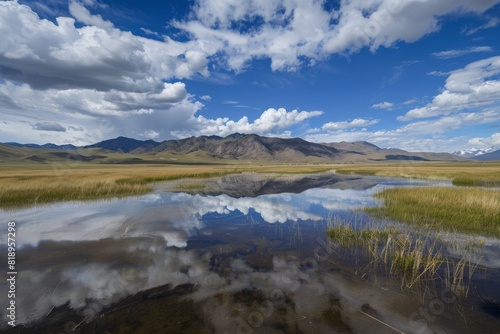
{"points": [[413, 259], [465, 210]]}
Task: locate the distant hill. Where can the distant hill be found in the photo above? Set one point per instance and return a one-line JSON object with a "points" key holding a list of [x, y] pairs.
{"points": [[9, 151], [488, 156], [123, 144], [235, 147], [49, 146], [364, 151]]}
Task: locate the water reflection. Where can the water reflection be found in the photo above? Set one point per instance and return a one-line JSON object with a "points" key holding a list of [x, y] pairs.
{"points": [[225, 244]]}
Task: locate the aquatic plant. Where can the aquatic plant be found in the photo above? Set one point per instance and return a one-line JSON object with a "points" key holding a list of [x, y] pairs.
{"points": [[413, 258]]}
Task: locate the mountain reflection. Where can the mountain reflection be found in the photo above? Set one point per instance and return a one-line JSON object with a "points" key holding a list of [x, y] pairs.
{"points": [[90, 255]]}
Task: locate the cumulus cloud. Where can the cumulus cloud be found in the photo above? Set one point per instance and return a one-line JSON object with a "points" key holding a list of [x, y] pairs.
{"points": [[458, 53], [293, 33], [383, 105], [270, 122], [493, 140], [97, 56], [100, 115], [49, 126], [472, 86], [107, 80]]}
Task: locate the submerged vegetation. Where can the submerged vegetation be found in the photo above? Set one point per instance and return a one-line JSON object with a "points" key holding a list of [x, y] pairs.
{"points": [[414, 259], [467, 210]]}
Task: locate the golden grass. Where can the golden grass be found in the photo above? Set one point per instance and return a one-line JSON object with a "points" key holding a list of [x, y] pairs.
{"points": [[23, 185], [460, 173], [414, 259], [467, 210]]}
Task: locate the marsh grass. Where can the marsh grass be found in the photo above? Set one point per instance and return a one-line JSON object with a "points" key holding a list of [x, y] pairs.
{"points": [[22, 186], [466, 210], [414, 259], [471, 174]]}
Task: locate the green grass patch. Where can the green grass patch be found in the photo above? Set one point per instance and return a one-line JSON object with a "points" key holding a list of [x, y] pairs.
{"points": [[466, 210]]}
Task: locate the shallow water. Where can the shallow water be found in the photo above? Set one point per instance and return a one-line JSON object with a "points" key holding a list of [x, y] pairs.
{"points": [[247, 253]]}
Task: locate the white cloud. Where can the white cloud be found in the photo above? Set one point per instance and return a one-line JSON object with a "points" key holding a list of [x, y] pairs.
{"points": [[83, 15], [458, 53], [206, 98], [493, 140], [150, 32], [270, 122], [438, 73], [101, 115], [355, 123], [429, 136], [101, 80], [410, 101], [472, 86], [293, 33], [492, 22], [151, 134], [47, 55], [383, 105]]}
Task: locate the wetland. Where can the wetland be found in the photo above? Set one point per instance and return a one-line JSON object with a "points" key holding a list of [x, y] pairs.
{"points": [[251, 253]]}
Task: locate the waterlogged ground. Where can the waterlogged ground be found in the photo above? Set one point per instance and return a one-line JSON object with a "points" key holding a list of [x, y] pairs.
{"points": [[240, 254]]}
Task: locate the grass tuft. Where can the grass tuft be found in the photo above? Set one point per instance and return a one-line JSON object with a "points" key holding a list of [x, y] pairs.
{"points": [[414, 259]]}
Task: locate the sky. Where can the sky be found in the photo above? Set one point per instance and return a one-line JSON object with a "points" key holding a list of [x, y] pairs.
{"points": [[420, 75]]}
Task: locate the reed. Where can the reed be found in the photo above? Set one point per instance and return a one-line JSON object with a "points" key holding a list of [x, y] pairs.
{"points": [[413, 259]]}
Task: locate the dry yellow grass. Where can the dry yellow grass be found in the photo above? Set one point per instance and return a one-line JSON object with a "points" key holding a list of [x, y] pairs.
{"points": [[460, 173], [26, 185], [469, 210]]}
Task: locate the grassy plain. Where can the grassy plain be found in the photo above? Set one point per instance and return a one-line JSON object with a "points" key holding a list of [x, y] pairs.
{"points": [[459, 173], [27, 184]]}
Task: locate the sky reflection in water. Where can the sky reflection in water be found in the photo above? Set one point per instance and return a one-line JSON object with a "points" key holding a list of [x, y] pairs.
{"points": [[91, 255]]}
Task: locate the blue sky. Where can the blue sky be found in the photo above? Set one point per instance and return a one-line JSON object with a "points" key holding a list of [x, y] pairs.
{"points": [[418, 75]]}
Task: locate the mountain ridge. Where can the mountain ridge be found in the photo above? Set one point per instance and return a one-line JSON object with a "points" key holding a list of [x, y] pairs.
{"points": [[238, 146]]}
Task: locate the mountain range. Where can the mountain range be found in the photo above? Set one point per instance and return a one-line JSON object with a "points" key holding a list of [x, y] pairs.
{"points": [[476, 152], [236, 146]]}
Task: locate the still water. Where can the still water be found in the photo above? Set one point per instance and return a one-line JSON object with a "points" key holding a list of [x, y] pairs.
{"points": [[245, 254]]}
